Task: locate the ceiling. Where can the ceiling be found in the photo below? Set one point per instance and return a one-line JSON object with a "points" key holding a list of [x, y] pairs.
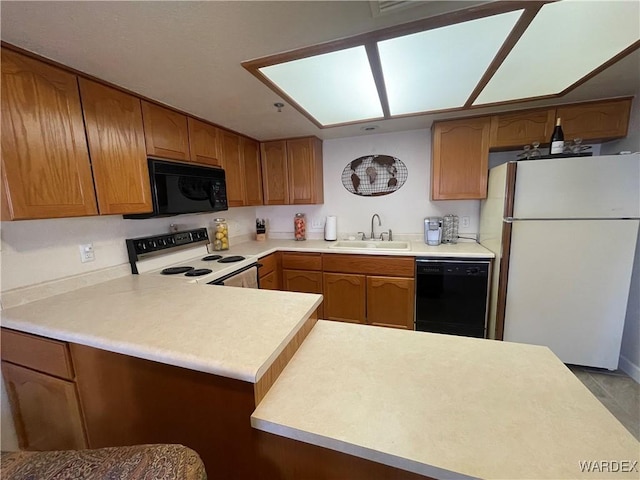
{"points": [[189, 54]]}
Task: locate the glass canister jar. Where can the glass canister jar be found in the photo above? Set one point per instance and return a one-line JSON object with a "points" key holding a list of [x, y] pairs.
{"points": [[221, 234], [300, 226]]}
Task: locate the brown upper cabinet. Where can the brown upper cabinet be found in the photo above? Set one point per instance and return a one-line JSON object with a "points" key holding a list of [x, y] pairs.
{"points": [[45, 161], [241, 161], [292, 171], [234, 170], [595, 120], [511, 130], [113, 121], [250, 152], [461, 147], [274, 172], [460, 158], [166, 132], [204, 143]]}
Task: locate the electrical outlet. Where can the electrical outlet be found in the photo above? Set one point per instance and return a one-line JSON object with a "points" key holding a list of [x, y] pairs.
{"points": [[466, 222], [317, 222], [86, 253]]}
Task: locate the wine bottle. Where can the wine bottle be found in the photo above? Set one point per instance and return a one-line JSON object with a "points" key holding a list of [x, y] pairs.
{"points": [[556, 144]]}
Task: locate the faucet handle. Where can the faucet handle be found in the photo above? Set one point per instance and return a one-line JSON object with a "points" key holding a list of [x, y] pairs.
{"points": [[390, 235], [382, 236], [364, 237]]}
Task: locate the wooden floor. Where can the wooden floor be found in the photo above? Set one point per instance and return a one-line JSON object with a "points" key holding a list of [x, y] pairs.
{"points": [[617, 391]]}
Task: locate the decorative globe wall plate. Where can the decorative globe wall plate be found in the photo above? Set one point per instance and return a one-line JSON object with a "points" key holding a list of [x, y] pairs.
{"points": [[374, 175]]}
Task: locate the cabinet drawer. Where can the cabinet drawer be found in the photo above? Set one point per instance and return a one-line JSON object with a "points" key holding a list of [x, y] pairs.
{"points": [[269, 264], [369, 264], [302, 261], [38, 353]]}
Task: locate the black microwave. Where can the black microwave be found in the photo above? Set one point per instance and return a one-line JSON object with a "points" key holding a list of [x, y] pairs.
{"points": [[178, 188]]}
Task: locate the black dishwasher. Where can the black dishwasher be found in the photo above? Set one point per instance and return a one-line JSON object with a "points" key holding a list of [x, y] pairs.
{"points": [[451, 296]]}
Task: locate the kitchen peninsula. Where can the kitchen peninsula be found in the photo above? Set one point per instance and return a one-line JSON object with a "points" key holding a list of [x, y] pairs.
{"points": [[153, 359]]}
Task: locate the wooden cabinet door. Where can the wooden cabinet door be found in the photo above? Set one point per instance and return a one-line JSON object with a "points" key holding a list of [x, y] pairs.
{"points": [[514, 130], [303, 281], [233, 168], [252, 171], [274, 173], [345, 297], [595, 121], [270, 281], [460, 158], [166, 132], [45, 161], [304, 165], [113, 120], [45, 409], [390, 301], [204, 143]]}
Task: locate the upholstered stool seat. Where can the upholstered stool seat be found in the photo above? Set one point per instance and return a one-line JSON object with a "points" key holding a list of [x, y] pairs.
{"points": [[138, 462]]}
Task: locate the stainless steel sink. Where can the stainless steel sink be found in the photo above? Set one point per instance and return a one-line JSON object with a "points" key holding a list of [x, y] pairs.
{"points": [[371, 245]]}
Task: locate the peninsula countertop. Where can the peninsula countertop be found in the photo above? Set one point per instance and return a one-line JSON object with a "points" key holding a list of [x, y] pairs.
{"points": [[443, 406], [228, 331]]}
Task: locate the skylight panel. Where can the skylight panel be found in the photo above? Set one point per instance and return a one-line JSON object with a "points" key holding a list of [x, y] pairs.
{"points": [[334, 88], [565, 42], [439, 69]]}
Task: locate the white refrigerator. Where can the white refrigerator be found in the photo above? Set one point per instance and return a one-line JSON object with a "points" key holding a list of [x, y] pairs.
{"points": [[564, 233]]}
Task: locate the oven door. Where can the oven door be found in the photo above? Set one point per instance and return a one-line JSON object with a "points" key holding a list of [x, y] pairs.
{"points": [[246, 277]]}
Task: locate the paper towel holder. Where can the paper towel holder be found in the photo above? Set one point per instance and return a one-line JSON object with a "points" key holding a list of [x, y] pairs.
{"points": [[331, 228]]}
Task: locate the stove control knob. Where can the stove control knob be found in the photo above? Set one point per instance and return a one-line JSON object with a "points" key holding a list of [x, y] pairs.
{"points": [[141, 247], [162, 242]]}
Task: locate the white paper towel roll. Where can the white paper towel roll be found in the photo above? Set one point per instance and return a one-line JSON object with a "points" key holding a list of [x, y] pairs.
{"points": [[331, 228]]}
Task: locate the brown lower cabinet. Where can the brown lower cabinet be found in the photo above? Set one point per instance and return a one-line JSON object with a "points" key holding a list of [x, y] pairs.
{"points": [[345, 297], [368, 289], [125, 400], [46, 410], [269, 272], [303, 281]]}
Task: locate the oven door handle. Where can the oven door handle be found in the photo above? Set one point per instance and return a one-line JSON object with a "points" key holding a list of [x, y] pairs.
{"points": [[221, 280]]}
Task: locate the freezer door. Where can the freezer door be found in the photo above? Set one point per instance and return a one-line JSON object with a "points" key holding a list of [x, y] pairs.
{"points": [[583, 187], [568, 287]]}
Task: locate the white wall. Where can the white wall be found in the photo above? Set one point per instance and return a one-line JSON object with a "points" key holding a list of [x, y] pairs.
{"points": [[36, 251], [403, 211], [630, 352]]}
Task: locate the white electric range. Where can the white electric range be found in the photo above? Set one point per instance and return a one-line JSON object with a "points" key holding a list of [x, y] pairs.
{"points": [[183, 256]]}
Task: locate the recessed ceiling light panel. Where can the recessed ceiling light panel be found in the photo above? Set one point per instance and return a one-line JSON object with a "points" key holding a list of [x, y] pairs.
{"points": [[566, 41], [334, 88], [438, 69]]}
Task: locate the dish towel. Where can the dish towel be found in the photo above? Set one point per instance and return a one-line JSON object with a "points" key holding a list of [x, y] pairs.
{"points": [[246, 279]]}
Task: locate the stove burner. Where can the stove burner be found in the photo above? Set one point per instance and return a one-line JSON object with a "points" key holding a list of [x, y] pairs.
{"points": [[208, 258], [198, 272], [176, 270], [233, 258]]}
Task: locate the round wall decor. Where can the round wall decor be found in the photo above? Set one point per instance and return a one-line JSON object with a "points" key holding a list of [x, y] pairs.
{"points": [[374, 175]]}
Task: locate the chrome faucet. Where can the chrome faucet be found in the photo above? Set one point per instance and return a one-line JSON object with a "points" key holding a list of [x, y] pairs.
{"points": [[373, 236]]}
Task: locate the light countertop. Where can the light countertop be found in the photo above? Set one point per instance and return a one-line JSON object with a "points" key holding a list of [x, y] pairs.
{"points": [[228, 331], [443, 406], [418, 249]]}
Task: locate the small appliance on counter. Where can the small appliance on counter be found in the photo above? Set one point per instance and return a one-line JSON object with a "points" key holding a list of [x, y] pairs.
{"points": [[450, 229], [331, 228], [433, 230]]}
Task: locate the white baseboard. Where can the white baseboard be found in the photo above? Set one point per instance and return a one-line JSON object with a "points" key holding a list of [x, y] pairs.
{"points": [[629, 368]]}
